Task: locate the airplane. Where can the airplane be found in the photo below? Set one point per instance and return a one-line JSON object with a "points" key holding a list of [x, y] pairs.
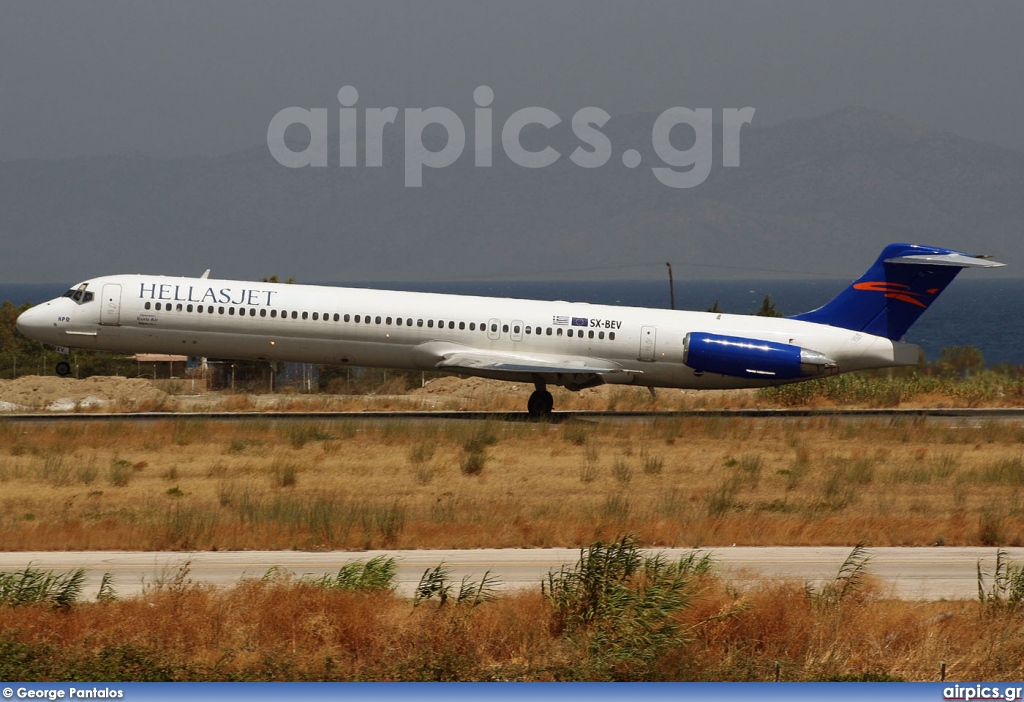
{"points": [[575, 345]]}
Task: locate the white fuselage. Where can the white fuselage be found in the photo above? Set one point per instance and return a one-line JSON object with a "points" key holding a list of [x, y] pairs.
{"points": [[382, 328]]}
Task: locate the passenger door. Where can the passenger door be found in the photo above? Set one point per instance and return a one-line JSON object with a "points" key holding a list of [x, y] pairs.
{"points": [[647, 342], [110, 304]]}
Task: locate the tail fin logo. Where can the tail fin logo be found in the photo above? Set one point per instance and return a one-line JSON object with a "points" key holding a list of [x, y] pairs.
{"points": [[897, 291]]}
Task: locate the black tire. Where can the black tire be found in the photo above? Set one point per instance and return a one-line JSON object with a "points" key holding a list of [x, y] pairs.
{"points": [[63, 369], [540, 404]]}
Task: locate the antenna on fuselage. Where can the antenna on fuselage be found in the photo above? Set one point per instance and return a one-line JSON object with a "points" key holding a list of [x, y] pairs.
{"points": [[206, 274], [671, 286]]}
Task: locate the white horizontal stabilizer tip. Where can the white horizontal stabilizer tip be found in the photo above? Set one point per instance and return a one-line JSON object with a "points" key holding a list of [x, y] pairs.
{"points": [[950, 259]]}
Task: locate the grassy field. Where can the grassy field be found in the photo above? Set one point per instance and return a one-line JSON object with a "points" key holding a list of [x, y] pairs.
{"points": [[185, 484], [704, 481], [617, 615]]}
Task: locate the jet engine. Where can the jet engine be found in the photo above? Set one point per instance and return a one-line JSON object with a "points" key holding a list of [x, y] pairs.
{"points": [[740, 357]]}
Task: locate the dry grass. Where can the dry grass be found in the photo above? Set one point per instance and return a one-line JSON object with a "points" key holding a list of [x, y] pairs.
{"points": [[288, 630], [190, 484]]}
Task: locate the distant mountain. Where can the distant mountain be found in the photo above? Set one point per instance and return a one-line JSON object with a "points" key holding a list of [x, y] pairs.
{"points": [[820, 195]]}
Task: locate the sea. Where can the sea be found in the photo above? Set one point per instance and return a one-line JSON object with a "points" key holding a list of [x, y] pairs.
{"points": [[986, 313]]}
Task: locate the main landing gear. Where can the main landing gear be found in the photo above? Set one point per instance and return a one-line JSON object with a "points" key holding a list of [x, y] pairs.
{"points": [[540, 403]]}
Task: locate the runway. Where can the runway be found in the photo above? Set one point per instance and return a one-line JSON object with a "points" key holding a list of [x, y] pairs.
{"points": [[959, 416], [916, 573]]}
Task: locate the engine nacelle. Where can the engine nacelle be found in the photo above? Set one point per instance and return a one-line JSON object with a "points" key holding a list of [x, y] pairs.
{"points": [[740, 357]]}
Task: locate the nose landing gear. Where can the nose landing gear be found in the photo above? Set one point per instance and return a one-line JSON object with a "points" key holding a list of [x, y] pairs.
{"points": [[63, 367]]}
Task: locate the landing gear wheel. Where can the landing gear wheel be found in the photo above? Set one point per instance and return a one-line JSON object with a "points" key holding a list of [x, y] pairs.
{"points": [[540, 404], [63, 369]]}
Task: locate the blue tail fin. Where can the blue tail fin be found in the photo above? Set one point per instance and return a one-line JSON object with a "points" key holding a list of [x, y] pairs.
{"points": [[896, 290]]}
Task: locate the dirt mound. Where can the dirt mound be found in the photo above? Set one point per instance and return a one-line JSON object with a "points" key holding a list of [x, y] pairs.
{"points": [[472, 388], [67, 394], [483, 388]]}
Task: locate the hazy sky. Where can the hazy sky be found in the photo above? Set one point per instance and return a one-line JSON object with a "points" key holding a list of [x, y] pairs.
{"points": [[183, 78]]}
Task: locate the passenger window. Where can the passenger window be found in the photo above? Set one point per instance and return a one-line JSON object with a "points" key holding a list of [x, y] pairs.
{"points": [[504, 328], [451, 325], [408, 322], [419, 322], [377, 320], [367, 319], [430, 324], [231, 310], [252, 311], [462, 325], [295, 314], [472, 326], [611, 336], [494, 327], [305, 315], [515, 329], [347, 318], [316, 316], [147, 305], [590, 334], [188, 308], [388, 320], [600, 335], [559, 331], [263, 312]]}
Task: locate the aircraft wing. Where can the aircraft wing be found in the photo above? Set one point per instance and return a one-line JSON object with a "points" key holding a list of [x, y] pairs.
{"points": [[529, 364], [574, 372]]}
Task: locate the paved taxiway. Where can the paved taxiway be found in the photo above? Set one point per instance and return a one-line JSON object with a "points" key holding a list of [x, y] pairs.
{"points": [[908, 573]]}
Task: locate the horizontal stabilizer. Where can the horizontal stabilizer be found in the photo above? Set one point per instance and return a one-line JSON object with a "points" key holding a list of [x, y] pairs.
{"points": [[958, 260]]}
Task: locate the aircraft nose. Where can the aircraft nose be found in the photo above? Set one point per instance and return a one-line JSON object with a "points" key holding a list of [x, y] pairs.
{"points": [[34, 322]]}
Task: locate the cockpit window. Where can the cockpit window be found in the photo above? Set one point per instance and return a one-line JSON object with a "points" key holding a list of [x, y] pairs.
{"points": [[79, 294]]}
